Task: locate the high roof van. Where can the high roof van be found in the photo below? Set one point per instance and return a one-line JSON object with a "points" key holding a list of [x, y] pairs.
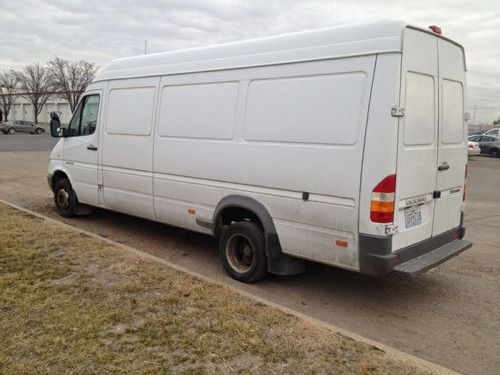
{"points": [[344, 146]]}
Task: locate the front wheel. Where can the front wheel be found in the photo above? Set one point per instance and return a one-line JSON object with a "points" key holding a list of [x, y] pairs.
{"points": [[38, 131], [495, 153], [12, 131], [65, 198], [242, 250]]}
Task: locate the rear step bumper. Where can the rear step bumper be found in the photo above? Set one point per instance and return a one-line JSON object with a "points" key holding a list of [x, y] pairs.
{"points": [[425, 262], [377, 258]]}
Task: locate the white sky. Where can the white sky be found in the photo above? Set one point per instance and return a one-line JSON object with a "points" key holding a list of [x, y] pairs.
{"points": [[101, 30]]}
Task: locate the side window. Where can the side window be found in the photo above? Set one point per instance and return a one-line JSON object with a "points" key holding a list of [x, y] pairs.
{"points": [[84, 120]]}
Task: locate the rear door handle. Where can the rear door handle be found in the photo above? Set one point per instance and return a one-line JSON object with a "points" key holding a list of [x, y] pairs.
{"points": [[443, 167], [92, 147]]}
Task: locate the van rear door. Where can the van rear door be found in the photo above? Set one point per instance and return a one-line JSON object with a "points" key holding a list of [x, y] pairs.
{"points": [[416, 171], [431, 150], [452, 154]]}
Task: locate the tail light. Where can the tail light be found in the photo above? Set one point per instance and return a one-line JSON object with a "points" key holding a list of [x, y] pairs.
{"points": [[382, 204], [465, 183]]}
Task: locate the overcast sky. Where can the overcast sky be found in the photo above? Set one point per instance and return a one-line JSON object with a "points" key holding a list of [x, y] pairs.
{"points": [[101, 30]]}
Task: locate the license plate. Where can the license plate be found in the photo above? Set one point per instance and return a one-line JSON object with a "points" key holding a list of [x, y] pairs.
{"points": [[413, 217]]}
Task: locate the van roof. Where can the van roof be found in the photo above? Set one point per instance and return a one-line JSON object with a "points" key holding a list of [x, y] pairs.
{"points": [[331, 42]]}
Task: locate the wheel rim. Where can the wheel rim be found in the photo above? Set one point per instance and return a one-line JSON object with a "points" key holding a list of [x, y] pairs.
{"points": [[62, 198], [239, 253], [11, 131]]}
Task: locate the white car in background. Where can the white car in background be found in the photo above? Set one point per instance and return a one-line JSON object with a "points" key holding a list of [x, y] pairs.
{"points": [[473, 148]]}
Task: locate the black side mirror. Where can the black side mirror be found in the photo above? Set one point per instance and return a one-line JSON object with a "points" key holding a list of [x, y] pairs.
{"points": [[55, 126]]}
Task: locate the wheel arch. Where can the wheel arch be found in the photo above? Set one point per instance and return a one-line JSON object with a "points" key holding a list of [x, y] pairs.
{"points": [[235, 208], [57, 175]]}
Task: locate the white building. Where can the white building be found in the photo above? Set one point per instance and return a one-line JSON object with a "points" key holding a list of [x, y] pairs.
{"points": [[23, 110]]}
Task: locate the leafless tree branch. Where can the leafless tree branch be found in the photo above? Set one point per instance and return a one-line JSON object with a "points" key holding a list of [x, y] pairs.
{"points": [[70, 79], [36, 85], [8, 85]]}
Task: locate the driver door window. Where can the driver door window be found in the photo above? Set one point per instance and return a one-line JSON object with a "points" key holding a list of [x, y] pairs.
{"points": [[85, 118]]}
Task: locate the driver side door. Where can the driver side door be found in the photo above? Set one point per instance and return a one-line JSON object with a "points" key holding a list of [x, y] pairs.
{"points": [[80, 148]]}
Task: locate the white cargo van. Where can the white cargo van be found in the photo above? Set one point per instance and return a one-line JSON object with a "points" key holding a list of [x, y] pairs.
{"points": [[345, 146]]}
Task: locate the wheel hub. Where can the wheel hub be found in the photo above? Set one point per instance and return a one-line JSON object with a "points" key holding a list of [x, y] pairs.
{"points": [[63, 199], [239, 253]]}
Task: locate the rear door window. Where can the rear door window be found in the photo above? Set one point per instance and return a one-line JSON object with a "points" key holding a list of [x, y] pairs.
{"points": [[453, 110]]}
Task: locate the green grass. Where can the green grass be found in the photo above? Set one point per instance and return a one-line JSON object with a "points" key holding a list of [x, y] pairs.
{"points": [[72, 304]]}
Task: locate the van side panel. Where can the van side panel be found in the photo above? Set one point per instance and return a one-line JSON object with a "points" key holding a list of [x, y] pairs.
{"points": [[297, 128], [127, 146], [381, 140]]}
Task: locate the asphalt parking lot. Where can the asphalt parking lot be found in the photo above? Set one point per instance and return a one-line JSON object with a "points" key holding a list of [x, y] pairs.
{"points": [[26, 142], [450, 315]]}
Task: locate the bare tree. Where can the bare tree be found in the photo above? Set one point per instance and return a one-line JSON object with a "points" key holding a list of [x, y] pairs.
{"points": [[70, 79], [8, 83], [36, 86]]}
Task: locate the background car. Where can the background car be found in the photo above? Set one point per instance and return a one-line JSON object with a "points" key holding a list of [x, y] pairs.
{"points": [[491, 148], [21, 126], [473, 148], [495, 132], [484, 141]]}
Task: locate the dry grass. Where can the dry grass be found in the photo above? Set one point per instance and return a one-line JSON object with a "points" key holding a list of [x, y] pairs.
{"points": [[74, 304]]}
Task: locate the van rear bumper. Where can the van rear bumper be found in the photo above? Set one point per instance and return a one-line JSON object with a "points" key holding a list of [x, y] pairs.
{"points": [[376, 257]]}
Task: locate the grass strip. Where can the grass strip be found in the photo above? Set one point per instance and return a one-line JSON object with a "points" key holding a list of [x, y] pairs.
{"points": [[70, 303]]}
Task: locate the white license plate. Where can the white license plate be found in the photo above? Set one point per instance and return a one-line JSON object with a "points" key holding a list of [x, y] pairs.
{"points": [[413, 217]]}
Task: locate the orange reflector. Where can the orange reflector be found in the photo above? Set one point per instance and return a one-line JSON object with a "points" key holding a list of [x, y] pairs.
{"points": [[191, 211], [341, 243], [379, 206]]}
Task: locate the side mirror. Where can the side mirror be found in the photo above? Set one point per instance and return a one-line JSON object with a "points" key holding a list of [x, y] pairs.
{"points": [[55, 126]]}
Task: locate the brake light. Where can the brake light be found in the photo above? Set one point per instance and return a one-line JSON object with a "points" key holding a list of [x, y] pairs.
{"points": [[435, 29], [382, 204]]}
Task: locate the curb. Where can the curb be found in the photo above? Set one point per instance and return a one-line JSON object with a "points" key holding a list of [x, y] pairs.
{"points": [[419, 363]]}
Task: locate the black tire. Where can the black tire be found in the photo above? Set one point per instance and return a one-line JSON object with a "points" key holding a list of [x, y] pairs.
{"points": [[242, 250], [65, 198], [38, 131], [495, 153], [12, 131]]}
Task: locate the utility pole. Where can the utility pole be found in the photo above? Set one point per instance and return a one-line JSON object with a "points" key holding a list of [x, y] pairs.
{"points": [[474, 117], [146, 47]]}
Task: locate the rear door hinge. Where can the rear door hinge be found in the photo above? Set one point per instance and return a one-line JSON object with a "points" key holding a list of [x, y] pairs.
{"points": [[391, 229], [397, 111]]}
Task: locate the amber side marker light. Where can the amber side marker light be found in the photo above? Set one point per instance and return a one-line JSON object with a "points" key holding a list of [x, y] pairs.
{"points": [[341, 243], [191, 211]]}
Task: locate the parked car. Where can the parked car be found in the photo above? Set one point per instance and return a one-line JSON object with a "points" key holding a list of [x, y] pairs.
{"points": [[283, 148], [21, 126], [491, 148], [495, 132], [473, 148], [485, 142]]}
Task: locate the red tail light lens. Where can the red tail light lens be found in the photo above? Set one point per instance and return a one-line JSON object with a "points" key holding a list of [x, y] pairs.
{"points": [[382, 204]]}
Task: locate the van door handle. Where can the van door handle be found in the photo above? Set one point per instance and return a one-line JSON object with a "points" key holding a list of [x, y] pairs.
{"points": [[443, 167], [92, 147]]}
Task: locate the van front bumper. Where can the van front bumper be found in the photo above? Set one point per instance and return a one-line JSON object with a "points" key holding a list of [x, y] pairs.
{"points": [[376, 257]]}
